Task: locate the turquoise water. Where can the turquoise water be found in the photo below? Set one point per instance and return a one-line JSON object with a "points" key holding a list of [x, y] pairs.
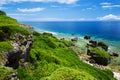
{"points": [[107, 31]]}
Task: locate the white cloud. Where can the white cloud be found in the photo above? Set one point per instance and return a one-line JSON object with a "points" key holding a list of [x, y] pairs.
{"points": [[106, 5], [30, 9], [89, 8], [110, 6], [109, 17], [58, 1]]}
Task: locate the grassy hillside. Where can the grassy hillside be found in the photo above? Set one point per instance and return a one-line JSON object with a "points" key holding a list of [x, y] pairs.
{"points": [[51, 58], [9, 26]]}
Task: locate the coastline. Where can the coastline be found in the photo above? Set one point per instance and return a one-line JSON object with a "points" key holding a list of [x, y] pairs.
{"points": [[113, 45]]}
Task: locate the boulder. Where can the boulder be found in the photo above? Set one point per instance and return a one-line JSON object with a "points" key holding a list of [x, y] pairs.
{"points": [[62, 39], [13, 57], [14, 77], [74, 39], [98, 59], [93, 43], [103, 46], [1, 64], [87, 37], [114, 54], [24, 42]]}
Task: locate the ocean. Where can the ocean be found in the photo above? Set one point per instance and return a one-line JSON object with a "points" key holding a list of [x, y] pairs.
{"points": [[107, 31]]}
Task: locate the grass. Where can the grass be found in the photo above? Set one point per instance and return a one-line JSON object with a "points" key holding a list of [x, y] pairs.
{"points": [[100, 52], [69, 74], [2, 13], [10, 26], [60, 63], [4, 46], [115, 64], [5, 74]]}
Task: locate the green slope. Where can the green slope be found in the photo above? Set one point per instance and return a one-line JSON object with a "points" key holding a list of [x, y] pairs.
{"points": [[53, 60], [9, 26]]}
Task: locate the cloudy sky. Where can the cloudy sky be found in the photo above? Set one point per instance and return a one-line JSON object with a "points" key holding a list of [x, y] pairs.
{"points": [[61, 10]]}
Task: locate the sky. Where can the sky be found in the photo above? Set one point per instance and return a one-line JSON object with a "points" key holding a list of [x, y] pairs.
{"points": [[62, 10]]}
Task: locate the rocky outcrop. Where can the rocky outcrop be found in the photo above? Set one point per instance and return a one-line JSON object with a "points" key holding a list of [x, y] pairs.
{"points": [[92, 43], [101, 60], [98, 59], [103, 46], [95, 49], [14, 77], [74, 39], [12, 57], [87, 37], [116, 75], [26, 50], [114, 54]]}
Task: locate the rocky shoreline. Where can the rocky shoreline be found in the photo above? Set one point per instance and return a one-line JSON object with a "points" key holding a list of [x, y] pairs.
{"points": [[94, 60]]}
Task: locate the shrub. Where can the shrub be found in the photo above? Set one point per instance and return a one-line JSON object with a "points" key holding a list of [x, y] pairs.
{"points": [[5, 46], [2, 13], [47, 34], [35, 33], [5, 73], [23, 74], [69, 74], [3, 36]]}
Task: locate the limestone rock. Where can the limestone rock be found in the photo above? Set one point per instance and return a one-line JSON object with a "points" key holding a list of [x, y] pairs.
{"points": [[87, 37]]}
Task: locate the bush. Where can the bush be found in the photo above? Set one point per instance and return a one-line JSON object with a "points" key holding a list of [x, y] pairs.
{"points": [[69, 74], [5, 74], [47, 34], [23, 74], [35, 33], [3, 36], [2, 13], [5, 46]]}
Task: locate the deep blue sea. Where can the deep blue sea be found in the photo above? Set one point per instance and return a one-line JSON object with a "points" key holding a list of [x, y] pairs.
{"points": [[107, 30]]}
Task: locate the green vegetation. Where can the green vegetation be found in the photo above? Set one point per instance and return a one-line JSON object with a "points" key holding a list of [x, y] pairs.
{"points": [[9, 26], [69, 74], [102, 43], [100, 52], [2, 13], [58, 62], [115, 64], [4, 46], [5, 73]]}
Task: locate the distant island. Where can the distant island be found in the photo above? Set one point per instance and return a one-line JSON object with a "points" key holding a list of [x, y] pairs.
{"points": [[26, 54]]}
